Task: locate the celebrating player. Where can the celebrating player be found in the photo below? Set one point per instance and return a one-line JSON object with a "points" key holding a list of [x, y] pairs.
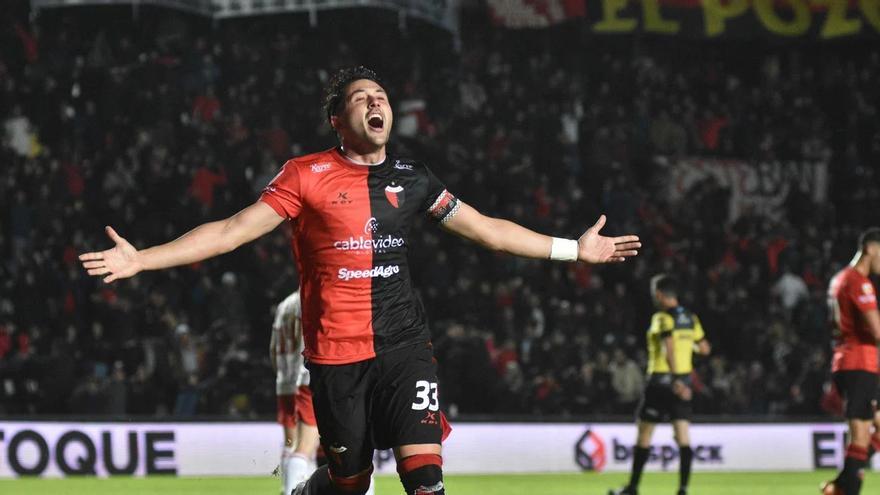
{"points": [[675, 334], [295, 411], [367, 345], [855, 319]]}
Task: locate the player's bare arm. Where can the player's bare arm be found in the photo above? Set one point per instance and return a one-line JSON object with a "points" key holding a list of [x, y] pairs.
{"points": [[872, 317], [669, 345], [203, 242], [506, 236], [678, 387]]}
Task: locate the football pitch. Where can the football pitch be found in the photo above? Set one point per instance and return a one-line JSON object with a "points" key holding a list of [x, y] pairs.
{"points": [[526, 484]]}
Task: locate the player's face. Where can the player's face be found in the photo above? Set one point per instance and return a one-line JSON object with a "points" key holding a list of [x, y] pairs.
{"points": [[364, 123], [873, 250]]}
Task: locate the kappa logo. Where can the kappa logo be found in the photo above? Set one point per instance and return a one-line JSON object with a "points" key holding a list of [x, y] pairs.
{"points": [[402, 166], [394, 194], [317, 168]]}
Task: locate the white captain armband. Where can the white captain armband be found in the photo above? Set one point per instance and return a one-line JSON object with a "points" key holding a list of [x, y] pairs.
{"points": [[564, 249]]}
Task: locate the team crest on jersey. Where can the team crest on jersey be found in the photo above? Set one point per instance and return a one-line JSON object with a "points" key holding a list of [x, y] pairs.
{"points": [[394, 194], [868, 288]]}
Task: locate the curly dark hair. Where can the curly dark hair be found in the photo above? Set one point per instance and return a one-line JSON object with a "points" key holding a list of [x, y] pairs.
{"points": [[334, 92]]}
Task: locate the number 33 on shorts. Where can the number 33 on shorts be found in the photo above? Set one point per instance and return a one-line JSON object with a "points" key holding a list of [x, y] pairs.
{"points": [[426, 396]]}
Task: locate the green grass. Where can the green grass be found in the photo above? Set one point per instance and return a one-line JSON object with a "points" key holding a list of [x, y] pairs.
{"points": [[547, 484]]}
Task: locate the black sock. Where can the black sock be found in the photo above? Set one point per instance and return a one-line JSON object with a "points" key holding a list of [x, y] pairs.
{"points": [[640, 457], [427, 479], [850, 479], [319, 483], [685, 458]]}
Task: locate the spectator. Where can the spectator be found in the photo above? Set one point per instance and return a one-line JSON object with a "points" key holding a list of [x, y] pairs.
{"points": [[627, 380]]}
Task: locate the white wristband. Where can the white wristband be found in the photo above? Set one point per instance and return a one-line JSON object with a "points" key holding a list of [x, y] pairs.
{"points": [[564, 249]]}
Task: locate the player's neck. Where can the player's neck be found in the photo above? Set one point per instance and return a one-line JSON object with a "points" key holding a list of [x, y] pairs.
{"points": [[374, 157], [861, 264]]}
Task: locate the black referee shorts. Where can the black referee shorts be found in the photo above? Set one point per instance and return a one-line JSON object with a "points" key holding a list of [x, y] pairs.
{"points": [[859, 391], [659, 403]]}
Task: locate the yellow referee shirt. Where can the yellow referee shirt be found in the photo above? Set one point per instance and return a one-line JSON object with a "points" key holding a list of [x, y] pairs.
{"points": [[685, 329]]}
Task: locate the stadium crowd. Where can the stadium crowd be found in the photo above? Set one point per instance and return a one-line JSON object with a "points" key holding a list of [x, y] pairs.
{"points": [[155, 124]]}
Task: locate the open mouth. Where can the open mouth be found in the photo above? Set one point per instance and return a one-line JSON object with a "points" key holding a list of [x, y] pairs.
{"points": [[375, 122]]}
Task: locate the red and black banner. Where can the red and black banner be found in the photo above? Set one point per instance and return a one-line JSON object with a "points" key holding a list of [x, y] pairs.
{"points": [[783, 19]]}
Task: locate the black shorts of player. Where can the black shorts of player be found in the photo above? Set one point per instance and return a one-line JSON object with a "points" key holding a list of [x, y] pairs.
{"points": [[384, 402], [659, 403], [859, 390]]}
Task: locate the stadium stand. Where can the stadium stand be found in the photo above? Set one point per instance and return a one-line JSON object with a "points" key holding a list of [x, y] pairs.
{"points": [[156, 123]]}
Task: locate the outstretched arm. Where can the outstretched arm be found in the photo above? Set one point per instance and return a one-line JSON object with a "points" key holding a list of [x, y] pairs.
{"points": [[509, 237], [203, 242]]}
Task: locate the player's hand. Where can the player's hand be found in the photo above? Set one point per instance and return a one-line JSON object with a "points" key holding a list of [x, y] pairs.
{"points": [[596, 248], [122, 261], [680, 389]]}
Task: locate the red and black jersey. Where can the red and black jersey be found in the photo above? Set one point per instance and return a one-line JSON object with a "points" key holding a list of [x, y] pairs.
{"points": [[350, 225], [849, 295]]}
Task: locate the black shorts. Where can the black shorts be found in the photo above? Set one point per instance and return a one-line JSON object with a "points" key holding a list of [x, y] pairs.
{"points": [[659, 403], [859, 391], [380, 403]]}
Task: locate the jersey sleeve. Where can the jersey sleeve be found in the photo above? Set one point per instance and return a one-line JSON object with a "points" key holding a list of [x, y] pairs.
{"points": [[661, 325], [862, 295], [440, 204], [283, 193]]}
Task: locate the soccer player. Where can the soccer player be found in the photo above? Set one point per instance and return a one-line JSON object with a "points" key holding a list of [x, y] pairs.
{"points": [[675, 334], [855, 321], [367, 344], [296, 413]]}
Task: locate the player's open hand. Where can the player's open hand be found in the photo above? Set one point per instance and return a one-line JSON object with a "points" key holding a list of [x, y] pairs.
{"points": [[681, 389], [596, 248], [121, 261]]}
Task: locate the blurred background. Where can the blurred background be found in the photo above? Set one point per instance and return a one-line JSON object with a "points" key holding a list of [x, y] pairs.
{"points": [[741, 144]]}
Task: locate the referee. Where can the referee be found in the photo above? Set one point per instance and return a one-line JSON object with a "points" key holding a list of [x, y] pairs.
{"points": [[675, 334]]}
